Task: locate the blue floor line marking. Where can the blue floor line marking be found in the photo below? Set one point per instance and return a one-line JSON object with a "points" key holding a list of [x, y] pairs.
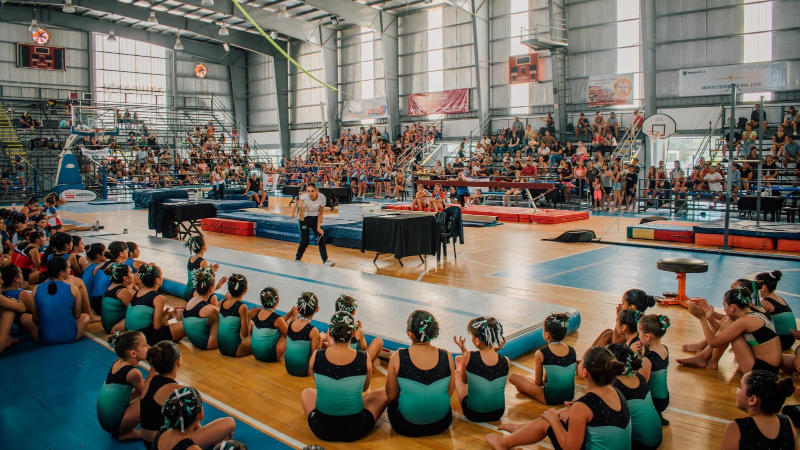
{"points": [[618, 268], [311, 280], [55, 409]]}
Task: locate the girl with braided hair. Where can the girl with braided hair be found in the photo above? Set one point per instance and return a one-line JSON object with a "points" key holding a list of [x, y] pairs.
{"points": [[336, 409], [148, 311], [751, 334], [598, 419], [776, 307], [708, 356], [480, 381], [201, 316], [117, 298], [761, 394], [268, 341], [234, 323], [419, 382], [652, 328], [359, 340], [646, 432], [635, 299], [116, 412], [197, 245], [302, 338], [553, 382], [165, 360]]}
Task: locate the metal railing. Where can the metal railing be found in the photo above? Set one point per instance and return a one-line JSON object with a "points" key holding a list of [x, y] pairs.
{"points": [[305, 147], [629, 141]]}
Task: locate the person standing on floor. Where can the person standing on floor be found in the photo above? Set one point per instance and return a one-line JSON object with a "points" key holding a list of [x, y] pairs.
{"points": [[311, 209]]}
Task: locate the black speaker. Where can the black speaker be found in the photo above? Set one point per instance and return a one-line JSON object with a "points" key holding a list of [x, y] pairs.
{"points": [[576, 236]]}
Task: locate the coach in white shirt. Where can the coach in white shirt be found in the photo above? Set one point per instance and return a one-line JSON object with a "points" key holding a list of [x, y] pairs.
{"points": [[311, 209]]}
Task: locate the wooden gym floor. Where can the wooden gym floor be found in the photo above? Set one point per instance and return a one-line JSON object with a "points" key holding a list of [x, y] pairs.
{"points": [[510, 260]]}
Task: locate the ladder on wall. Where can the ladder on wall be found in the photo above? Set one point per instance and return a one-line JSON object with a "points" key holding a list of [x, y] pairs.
{"points": [[8, 135]]}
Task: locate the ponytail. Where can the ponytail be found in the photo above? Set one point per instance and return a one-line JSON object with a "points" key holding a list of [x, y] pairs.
{"points": [[770, 279], [626, 356], [55, 266], [423, 326], [602, 366], [654, 324], [195, 243], [488, 330]]}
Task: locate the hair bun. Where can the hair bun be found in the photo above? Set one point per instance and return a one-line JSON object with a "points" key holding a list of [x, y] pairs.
{"points": [[785, 387], [777, 274], [651, 301]]}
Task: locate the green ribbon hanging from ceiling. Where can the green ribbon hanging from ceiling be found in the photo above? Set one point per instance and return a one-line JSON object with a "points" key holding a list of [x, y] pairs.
{"points": [[278, 47]]}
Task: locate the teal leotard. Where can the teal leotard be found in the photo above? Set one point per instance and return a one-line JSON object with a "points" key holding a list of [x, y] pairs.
{"points": [[113, 399], [230, 326], [112, 310], [265, 338], [298, 350], [559, 385], [197, 328]]}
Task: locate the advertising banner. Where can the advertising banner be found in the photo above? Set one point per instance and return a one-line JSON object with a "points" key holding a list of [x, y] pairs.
{"points": [[605, 90], [97, 153], [443, 102], [757, 77], [371, 108]]}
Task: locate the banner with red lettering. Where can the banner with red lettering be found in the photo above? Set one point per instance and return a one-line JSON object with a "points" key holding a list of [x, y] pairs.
{"points": [[443, 102]]}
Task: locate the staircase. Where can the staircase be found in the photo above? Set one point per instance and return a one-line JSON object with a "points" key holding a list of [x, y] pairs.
{"points": [[630, 143], [8, 135]]}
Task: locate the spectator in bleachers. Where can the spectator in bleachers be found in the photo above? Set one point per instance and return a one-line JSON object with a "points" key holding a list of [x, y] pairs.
{"points": [[549, 124], [583, 127], [636, 123], [613, 124], [26, 122], [790, 120], [778, 140], [598, 143], [517, 126], [749, 136], [758, 117], [789, 152], [746, 175], [599, 125]]}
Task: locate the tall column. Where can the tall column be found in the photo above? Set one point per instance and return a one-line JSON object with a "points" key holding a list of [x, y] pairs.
{"points": [[390, 72], [480, 33], [330, 58], [238, 82], [281, 75], [648, 22]]}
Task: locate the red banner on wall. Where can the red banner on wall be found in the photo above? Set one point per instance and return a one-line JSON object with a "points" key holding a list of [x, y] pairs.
{"points": [[443, 102]]}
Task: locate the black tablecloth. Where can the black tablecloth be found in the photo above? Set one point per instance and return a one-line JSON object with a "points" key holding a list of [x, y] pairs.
{"points": [[339, 194], [162, 216], [401, 234], [769, 204]]}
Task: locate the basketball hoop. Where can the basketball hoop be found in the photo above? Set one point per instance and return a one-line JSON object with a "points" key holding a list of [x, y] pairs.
{"points": [[656, 135], [659, 126]]}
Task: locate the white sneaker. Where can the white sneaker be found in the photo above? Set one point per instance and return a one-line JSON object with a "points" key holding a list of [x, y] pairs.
{"points": [[329, 263]]}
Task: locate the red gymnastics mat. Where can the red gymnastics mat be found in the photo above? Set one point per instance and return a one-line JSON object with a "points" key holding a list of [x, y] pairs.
{"points": [[513, 214]]}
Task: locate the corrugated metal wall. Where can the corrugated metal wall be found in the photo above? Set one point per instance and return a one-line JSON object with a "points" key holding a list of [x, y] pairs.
{"points": [[306, 97], [45, 84], [262, 106]]}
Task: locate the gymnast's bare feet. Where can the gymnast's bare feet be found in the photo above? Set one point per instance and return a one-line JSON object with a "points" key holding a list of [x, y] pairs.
{"points": [[510, 427], [695, 361], [495, 441], [693, 348]]}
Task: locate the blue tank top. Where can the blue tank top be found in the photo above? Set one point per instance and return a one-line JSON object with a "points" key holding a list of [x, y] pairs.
{"points": [[100, 284], [88, 277], [12, 293], [55, 315], [129, 263]]}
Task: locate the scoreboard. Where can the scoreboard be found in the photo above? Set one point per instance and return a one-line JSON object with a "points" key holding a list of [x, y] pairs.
{"points": [[41, 57], [523, 69]]}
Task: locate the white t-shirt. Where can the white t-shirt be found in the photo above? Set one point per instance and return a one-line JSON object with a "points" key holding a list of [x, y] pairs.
{"points": [[313, 206], [714, 181]]}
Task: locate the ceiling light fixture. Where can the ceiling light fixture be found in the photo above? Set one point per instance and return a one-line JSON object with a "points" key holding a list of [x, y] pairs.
{"points": [[68, 7], [207, 3], [178, 45], [152, 18], [223, 29], [33, 26], [226, 46], [111, 36]]}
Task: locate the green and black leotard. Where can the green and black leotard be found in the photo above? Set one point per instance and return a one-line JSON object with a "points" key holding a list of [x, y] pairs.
{"points": [[298, 350], [486, 386], [339, 413], [751, 438], [423, 407], [608, 429], [139, 317], [113, 400], [197, 328], [112, 309], [230, 326], [190, 267], [559, 385], [658, 380], [645, 420], [265, 338], [784, 320]]}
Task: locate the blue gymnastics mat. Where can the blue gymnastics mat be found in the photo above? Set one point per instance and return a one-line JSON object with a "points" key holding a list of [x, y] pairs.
{"points": [[50, 395], [775, 230], [384, 303], [337, 231]]}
